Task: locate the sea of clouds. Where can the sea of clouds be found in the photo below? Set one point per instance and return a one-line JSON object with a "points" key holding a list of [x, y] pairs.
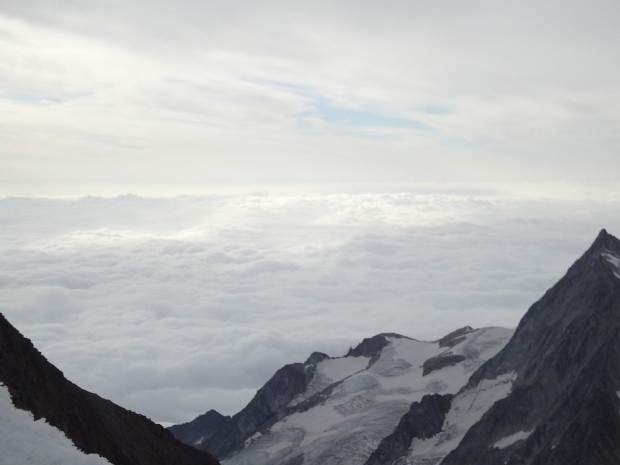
{"points": [[173, 306]]}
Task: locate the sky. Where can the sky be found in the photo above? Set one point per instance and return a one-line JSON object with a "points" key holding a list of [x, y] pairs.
{"points": [[194, 193], [157, 98]]}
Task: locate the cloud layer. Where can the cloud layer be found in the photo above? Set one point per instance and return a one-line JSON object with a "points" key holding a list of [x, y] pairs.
{"points": [[173, 306]]}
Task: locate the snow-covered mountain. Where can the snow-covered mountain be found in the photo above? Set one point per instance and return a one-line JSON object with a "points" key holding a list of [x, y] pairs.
{"points": [[337, 410], [46, 419], [547, 394]]}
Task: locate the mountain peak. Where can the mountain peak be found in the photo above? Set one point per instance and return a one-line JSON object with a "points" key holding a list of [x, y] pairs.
{"points": [[563, 359], [604, 240], [371, 346]]}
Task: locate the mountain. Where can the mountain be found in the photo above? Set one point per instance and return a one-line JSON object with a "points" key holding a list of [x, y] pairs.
{"points": [[551, 396], [93, 424], [547, 394], [336, 410], [201, 428]]}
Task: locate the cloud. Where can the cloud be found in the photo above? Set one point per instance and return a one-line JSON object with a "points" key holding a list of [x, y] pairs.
{"points": [[173, 306], [111, 94]]}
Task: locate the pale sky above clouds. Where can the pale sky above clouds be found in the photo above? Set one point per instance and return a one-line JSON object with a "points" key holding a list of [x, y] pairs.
{"points": [[158, 97]]}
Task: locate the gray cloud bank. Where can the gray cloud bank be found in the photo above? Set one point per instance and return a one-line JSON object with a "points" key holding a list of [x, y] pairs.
{"points": [[172, 306]]}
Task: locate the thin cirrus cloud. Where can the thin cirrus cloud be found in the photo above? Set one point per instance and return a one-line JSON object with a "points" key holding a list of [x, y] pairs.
{"points": [[161, 94], [172, 306]]}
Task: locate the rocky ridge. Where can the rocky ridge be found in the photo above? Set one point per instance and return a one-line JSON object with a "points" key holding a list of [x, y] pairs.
{"points": [[95, 425]]}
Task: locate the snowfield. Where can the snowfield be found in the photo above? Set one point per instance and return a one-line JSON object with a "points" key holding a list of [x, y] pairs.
{"points": [[510, 440], [26, 441], [366, 401], [614, 261], [466, 410]]}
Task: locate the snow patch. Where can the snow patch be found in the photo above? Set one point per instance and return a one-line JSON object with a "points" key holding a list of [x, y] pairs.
{"points": [[613, 260], [24, 440], [339, 368], [347, 425], [510, 440], [466, 410], [252, 439], [330, 371]]}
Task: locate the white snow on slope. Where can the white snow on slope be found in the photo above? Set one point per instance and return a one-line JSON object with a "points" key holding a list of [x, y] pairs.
{"points": [[330, 371], [510, 440], [367, 405], [613, 260], [26, 441], [340, 368], [466, 410]]}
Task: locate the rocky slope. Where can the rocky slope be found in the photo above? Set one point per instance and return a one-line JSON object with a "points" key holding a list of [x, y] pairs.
{"points": [[93, 424]]}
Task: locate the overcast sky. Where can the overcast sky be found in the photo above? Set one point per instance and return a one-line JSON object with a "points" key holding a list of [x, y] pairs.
{"points": [[307, 173], [159, 97]]}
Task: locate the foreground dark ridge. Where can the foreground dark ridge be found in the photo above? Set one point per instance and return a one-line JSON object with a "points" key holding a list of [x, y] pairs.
{"points": [[95, 425]]}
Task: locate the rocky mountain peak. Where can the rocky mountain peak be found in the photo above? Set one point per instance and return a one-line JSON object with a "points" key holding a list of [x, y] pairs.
{"points": [[315, 357], [453, 338], [371, 346]]}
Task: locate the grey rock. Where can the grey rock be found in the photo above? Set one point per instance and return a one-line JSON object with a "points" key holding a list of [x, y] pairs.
{"points": [[439, 362], [95, 425], [424, 420], [201, 429]]}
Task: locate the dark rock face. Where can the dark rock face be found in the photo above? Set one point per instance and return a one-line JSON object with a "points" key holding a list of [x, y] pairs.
{"points": [[424, 420], [566, 353], [264, 409], [439, 362], [316, 357], [371, 346], [200, 429], [452, 339], [95, 425]]}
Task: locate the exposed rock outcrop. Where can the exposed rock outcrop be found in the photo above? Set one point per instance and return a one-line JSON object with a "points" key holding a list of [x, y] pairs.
{"points": [[424, 419]]}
